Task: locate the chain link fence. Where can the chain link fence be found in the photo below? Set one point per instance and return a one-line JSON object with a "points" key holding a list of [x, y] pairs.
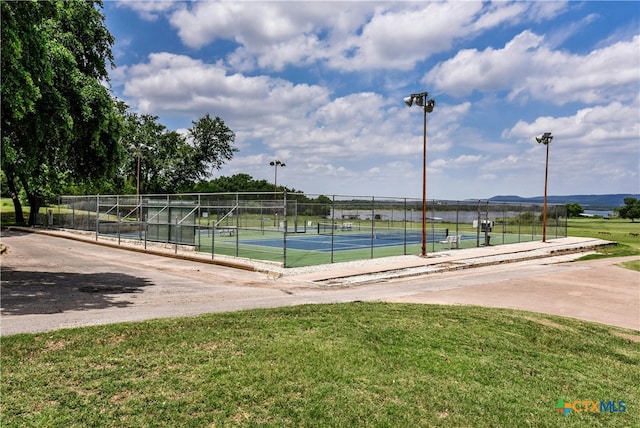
{"points": [[293, 229]]}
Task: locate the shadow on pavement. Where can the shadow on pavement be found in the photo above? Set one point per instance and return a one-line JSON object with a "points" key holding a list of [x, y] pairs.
{"points": [[29, 292]]}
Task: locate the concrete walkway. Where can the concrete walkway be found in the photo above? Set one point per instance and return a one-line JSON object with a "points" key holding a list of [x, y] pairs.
{"points": [[404, 266]]}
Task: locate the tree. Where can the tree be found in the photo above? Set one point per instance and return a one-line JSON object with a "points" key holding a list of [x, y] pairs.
{"points": [[631, 209], [59, 123], [162, 161], [212, 146], [574, 209]]}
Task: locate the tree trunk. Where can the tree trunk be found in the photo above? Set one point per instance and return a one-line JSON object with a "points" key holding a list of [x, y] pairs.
{"points": [[16, 200], [34, 205], [34, 200]]}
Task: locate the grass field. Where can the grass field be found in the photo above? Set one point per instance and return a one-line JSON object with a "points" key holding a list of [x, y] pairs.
{"points": [[358, 364], [622, 231]]}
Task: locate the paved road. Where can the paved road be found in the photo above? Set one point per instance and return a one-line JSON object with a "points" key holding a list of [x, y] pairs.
{"points": [[50, 283]]}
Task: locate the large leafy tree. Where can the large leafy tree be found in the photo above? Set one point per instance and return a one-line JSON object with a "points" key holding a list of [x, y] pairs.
{"points": [[59, 122], [211, 146], [162, 161]]}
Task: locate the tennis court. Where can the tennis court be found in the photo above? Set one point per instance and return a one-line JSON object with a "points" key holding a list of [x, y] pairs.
{"points": [[301, 230]]}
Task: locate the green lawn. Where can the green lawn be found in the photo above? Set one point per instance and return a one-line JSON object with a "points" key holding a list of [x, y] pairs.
{"points": [[620, 231], [357, 364]]}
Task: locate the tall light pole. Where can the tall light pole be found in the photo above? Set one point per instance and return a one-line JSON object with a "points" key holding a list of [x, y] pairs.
{"points": [[545, 139], [427, 105], [276, 164]]}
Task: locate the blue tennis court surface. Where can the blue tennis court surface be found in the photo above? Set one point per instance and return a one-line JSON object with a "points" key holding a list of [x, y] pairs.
{"points": [[338, 242]]}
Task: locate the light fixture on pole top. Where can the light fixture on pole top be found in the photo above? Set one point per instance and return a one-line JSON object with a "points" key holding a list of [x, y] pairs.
{"points": [[427, 105], [545, 139], [276, 163]]}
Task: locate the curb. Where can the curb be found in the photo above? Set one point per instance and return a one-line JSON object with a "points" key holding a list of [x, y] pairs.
{"points": [[447, 266]]}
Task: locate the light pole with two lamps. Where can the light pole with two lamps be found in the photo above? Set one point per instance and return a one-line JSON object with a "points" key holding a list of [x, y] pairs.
{"points": [[276, 164], [427, 105], [545, 139]]}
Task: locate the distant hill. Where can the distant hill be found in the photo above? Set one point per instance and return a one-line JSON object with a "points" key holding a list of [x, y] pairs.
{"points": [[590, 202]]}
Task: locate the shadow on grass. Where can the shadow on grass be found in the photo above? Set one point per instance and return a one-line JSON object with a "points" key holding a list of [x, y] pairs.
{"points": [[30, 292]]}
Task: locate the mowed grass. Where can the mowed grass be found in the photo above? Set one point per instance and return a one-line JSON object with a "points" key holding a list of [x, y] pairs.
{"points": [[625, 233], [339, 365]]}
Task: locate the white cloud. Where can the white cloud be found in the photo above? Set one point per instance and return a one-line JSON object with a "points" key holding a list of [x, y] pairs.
{"points": [[528, 67], [595, 126], [462, 161], [269, 34], [355, 36], [150, 10], [177, 83], [499, 12]]}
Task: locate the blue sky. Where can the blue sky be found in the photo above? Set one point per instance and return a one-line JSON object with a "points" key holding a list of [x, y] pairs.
{"points": [[319, 86]]}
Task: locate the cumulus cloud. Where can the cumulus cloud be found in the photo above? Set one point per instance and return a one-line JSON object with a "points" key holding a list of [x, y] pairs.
{"points": [[177, 83], [150, 10], [595, 126], [357, 36], [461, 161], [526, 66]]}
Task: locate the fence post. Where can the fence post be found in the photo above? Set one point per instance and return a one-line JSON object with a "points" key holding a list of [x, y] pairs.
{"points": [[198, 220], [486, 225], [478, 226], [284, 237], [238, 225], [97, 215], [457, 224], [373, 223], [504, 222], [213, 238], [433, 226], [145, 225], [333, 222], [175, 240], [118, 217], [405, 227]]}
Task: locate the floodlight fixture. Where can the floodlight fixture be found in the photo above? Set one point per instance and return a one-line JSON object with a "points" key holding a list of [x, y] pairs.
{"points": [[430, 105], [421, 100], [544, 138]]}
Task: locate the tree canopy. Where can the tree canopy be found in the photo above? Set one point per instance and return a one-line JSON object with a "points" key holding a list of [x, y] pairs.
{"points": [[159, 160], [59, 122], [574, 209], [62, 131]]}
